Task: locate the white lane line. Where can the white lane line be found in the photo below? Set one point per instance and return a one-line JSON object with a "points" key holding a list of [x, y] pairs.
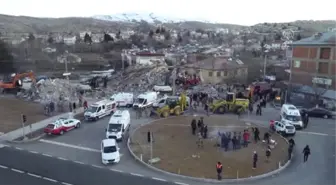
{"points": [[16, 170], [18, 148], [115, 170], [96, 166], [47, 155], [34, 175], [3, 167], [136, 174], [64, 183], [313, 133], [69, 145], [180, 183], [158, 179], [34, 152], [78, 162], [61, 158], [49, 179]]}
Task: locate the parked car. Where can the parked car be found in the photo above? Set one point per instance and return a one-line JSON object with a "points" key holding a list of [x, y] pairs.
{"points": [[62, 125], [318, 112]]}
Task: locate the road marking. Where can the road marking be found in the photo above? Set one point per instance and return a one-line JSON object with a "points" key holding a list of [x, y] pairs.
{"points": [[16, 170], [96, 166], [49, 179], [4, 167], [69, 145], [158, 179], [47, 155], [180, 183], [78, 162], [64, 183], [34, 175], [34, 152], [312, 133], [136, 174], [61, 158], [18, 148], [115, 170]]}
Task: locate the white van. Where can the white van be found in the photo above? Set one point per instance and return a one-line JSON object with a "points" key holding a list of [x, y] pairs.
{"points": [[123, 99], [99, 110], [162, 88], [163, 101], [118, 125], [110, 151], [145, 100], [284, 128], [291, 115]]}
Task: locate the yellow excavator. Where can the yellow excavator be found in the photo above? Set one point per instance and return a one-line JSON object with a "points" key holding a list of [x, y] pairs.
{"points": [[174, 105], [230, 104]]}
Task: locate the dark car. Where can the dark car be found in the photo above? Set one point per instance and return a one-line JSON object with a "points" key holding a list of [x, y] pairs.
{"points": [[318, 112]]}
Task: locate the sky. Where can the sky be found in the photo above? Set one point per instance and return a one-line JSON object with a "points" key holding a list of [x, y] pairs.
{"points": [[247, 12]]}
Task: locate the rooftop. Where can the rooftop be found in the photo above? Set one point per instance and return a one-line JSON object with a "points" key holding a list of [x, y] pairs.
{"points": [[220, 63], [319, 39]]}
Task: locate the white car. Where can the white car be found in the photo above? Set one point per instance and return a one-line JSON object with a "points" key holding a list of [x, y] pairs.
{"points": [[62, 125], [284, 128], [110, 151]]}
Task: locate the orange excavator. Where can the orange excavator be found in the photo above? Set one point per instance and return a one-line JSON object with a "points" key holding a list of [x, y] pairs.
{"points": [[14, 82]]}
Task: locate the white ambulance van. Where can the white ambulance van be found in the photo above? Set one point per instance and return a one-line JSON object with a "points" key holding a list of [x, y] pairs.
{"points": [[291, 115], [118, 125], [145, 100], [123, 99], [100, 109]]}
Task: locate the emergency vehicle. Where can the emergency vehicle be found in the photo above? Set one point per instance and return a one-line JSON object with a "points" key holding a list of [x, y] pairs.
{"points": [[61, 125], [123, 99], [291, 115], [118, 125], [145, 100], [100, 109]]}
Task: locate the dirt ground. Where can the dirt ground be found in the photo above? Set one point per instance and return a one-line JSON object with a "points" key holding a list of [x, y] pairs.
{"points": [[11, 110], [176, 147]]}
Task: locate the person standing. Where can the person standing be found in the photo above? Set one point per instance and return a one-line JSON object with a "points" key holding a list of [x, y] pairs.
{"points": [[246, 137], [290, 151], [268, 153], [193, 126], [306, 153], [219, 169], [205, 132], [234, 141], [255, 159]]}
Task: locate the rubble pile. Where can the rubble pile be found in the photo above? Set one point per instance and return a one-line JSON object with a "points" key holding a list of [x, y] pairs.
{"points": [[56, 90]]}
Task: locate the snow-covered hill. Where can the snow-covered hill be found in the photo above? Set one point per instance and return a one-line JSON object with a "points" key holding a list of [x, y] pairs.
{"points": [[131, 17]]}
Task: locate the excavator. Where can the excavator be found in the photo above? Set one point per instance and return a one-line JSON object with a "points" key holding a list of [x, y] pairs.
{"points": [[174, 105], [230, 104], [13, 83]]}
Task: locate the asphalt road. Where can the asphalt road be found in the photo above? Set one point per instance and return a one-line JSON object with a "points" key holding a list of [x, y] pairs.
{"points": [[82, 145], [10, 177], [65, 171]]}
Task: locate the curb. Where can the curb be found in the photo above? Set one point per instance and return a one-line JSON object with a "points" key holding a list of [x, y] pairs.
{"points": [[274, 172], [28, 140]]}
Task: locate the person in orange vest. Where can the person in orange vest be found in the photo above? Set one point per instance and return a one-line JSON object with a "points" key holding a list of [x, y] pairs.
{"points": [[219, 168]]}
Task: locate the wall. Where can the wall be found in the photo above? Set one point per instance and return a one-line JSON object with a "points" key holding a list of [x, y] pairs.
{"points": [[228, 76]]}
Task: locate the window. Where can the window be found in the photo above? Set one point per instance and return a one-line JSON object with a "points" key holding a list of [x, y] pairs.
{"points": [[210, 73], [225, 73], [103, 106], [323, 67], [218, 73], [99, 109], [297, 64], [325, 53]]}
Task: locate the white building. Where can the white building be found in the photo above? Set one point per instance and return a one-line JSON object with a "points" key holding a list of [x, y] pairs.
{"points": [[149, 58], [70, 40]]}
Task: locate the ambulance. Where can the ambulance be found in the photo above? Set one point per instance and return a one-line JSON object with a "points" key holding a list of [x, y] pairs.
{"points": [[118, 125], [123, 99], [100, 109], [145, 100], [291, 115]]}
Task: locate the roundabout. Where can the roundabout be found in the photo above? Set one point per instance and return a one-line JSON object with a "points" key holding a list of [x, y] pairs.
{"points": [[177, 151]]}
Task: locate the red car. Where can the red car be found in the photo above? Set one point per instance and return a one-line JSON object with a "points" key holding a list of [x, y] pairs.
{"points": [[62, 125]]}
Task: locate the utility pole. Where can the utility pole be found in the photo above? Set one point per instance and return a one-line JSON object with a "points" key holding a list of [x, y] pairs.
{"points": [[151, 147], [174, 76], [265, 62]]}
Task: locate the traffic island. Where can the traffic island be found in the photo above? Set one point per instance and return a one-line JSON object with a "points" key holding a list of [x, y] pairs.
{"points": [[176, 150]]}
